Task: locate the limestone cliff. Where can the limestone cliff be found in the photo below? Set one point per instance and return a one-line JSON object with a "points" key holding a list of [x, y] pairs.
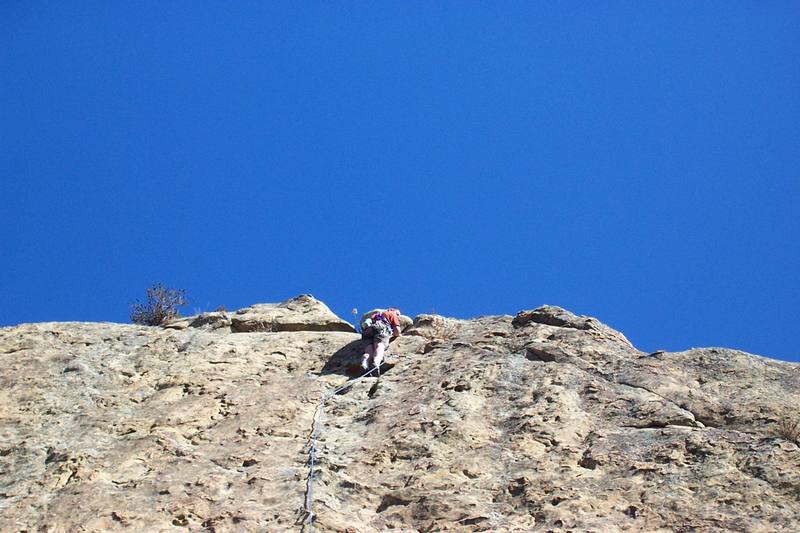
{"points": [[545, 421]]}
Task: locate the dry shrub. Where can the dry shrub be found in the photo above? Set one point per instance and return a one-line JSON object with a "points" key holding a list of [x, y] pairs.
{"points": [[789, 429], [162, 305]]}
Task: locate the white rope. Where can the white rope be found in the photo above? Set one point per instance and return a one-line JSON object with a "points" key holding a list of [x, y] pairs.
{"points": [[312, 443]]}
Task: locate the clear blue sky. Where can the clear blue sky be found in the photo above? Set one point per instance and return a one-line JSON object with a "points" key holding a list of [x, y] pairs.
{"points": [[635, 161]]}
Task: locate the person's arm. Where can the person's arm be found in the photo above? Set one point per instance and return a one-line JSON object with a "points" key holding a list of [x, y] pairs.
{"points": [[396, 330]]}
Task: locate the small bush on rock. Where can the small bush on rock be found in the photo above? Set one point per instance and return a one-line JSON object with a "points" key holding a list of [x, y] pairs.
{"points": [[789, 429], [162, 305]]}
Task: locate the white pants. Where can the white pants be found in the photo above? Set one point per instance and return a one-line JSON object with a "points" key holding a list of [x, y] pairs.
{"points": [[375, 351]]}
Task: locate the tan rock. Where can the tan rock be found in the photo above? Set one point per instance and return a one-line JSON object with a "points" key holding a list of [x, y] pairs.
{"points": [[302, 313], [213, 320], [491, 424]]}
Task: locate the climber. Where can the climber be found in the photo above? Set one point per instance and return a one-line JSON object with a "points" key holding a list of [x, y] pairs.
{"points": [[378, 329]]}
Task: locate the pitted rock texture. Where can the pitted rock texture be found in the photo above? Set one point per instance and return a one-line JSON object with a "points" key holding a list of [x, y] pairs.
{"points": [[501, 423]]}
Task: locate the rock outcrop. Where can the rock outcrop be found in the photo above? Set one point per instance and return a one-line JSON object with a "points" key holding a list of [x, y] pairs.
{"points": [[541, 422], [301, 313]]}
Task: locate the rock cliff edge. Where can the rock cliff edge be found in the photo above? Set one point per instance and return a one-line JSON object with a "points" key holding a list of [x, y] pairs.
{"points": [[544, 421]]}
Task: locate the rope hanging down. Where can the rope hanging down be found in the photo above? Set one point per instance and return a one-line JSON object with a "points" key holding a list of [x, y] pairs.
{"points": [[312, 443]]}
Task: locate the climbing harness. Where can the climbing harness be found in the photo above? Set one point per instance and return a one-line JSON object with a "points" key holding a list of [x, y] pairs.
{"points": [[312, 443]]}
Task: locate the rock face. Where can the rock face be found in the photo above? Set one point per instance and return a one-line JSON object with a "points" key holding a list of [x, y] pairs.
{"points": [[540, 422]]}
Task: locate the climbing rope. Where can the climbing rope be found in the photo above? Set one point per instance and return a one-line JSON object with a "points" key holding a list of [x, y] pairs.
{"points": [[312, 443]]}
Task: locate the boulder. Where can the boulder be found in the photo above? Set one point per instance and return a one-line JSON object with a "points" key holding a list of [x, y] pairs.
{"points": [[434, 327], [301, 313], [552, 315]]}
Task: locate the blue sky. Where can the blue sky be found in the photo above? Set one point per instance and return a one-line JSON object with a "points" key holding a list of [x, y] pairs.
{"points": [[633, 161]]}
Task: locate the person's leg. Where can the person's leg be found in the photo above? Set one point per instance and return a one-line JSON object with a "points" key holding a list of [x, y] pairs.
{"points": [[369, 353], [380, 350]]}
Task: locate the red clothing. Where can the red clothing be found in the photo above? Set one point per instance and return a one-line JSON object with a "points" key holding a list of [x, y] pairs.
{"points": [[392, 316]]}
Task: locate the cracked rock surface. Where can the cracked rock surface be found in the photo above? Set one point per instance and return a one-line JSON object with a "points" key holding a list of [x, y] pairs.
{"points": [[541, 422]]}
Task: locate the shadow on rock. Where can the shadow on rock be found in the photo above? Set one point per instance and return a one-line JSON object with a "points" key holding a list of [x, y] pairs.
{"points": [[346, 360]]}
